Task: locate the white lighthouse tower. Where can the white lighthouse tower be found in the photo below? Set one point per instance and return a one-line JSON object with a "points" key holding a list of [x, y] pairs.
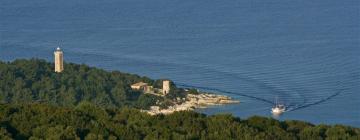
{"points": [[59, 60]]}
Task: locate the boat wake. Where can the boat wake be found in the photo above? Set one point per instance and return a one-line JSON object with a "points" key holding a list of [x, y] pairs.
{"points": [[289, 106]]}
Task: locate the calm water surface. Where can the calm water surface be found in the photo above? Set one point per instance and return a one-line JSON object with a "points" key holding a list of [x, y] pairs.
{"points": [[305, 53]]}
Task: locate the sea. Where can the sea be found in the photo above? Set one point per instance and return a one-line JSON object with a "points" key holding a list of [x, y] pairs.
{"points": [[304, 54]]}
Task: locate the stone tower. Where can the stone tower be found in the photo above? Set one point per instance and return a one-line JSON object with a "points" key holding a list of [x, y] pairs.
{"points": [[59, 60], [166, 87]]}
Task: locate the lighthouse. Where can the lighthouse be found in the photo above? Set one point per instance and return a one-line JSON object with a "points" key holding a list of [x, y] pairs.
{"points": [[59, 60]]}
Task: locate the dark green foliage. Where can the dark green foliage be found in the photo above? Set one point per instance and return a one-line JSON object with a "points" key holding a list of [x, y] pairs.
{"points": [[4, 134], [82, 102], [87, 121], [193, 91], [147, 100], [27, 81]]}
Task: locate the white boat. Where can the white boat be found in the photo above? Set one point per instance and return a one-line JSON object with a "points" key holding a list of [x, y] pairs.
{"points": [[278, 109]]}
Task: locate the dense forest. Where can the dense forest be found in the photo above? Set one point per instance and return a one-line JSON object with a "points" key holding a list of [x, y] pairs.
{"points": [[88, 103], [89, 122], [34, 80]]}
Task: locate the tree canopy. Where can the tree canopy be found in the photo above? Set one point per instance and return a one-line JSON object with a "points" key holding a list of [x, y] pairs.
{"points": [[87, 121], [34, 80]]}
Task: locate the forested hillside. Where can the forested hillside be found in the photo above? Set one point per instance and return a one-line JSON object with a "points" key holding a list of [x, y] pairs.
{"points": [[88, 103], [34, 80], [89, 122]]}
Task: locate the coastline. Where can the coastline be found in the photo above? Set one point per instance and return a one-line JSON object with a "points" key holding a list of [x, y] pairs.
{"points": [[193, 101]]}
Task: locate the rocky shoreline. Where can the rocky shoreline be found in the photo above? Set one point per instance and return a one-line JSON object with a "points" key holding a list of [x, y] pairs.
{"points": [[193, 101]]}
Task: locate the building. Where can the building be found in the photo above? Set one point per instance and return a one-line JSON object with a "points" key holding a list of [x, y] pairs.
{"points": [[166, 87], [139, 86], [59, 60], [144, 87]]}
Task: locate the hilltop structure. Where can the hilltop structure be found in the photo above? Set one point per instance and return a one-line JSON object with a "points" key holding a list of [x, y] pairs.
{"points": [[166, 87], [59, 60], [142, 86], [146, 88]]}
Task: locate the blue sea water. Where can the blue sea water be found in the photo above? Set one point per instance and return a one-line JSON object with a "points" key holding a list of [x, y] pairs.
{"points": [[305, 53]]}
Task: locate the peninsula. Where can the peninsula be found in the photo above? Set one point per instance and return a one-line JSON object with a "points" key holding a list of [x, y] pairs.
{"points": [[68, 84], [82, 102], [185, 100]]}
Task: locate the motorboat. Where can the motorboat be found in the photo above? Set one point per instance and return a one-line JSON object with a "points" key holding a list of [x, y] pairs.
{"points": [[278, 109]]}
